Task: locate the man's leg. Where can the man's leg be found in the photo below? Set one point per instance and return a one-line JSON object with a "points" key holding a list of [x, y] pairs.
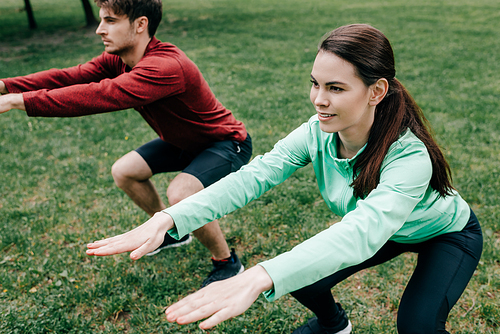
{"points": [[210, 235], [206, 168], [132, 174]]}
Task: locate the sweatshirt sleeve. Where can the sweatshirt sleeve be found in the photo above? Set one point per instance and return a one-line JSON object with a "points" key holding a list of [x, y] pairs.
{"points": [[153, 78], [241, 187], [92, 71], [405, 177]]}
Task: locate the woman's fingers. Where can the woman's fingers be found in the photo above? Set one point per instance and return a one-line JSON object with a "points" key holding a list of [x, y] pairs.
{"points": [[217, 305], [140, 241], [217, 318], [116, 245], [199, 305], [221, 300], [146, 248]]}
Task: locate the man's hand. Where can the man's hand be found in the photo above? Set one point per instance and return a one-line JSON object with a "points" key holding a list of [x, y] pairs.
{"points": [[3, 89], [140, 241], [221, 300], [11, 101]]}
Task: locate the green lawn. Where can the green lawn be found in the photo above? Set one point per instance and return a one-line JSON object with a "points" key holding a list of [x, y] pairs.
{"points": [[57, 192]]}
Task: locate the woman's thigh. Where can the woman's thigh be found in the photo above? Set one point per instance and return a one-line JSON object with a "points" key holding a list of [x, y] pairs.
{"points": [[444, 267], [389, 251]]}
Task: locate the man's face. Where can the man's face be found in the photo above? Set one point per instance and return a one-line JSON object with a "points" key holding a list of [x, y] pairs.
{"points": [[116, 31]]}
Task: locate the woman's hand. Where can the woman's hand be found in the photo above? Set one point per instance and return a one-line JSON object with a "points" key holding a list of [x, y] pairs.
{"points": [[140, 241], [221, 300]]}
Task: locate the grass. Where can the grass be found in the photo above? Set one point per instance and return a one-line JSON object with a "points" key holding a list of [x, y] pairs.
{"points": [[57, 192]]}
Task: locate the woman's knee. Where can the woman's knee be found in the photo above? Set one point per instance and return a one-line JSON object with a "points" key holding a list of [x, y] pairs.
{"points": [[417, 328], [422, 321], [307, 292]]}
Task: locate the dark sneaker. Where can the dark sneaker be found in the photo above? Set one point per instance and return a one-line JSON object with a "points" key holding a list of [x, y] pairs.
{"points": [[224, 269], [314, 327], [170, 242]]}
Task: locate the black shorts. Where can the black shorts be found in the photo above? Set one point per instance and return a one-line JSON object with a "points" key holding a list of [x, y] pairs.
{"points": [[208, 166]]}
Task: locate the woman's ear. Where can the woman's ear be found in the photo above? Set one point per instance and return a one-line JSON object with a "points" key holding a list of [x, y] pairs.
{"points": [[378, 91]]}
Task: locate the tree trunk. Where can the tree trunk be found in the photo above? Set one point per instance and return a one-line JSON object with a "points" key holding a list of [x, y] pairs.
{"points": [[29, 11], [89, 15]]}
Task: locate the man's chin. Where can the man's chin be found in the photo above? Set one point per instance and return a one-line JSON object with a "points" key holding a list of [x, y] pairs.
{"points": [[117, 52], [110, 50]]}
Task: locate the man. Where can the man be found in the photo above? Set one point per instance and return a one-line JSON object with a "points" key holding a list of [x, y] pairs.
{"points": [[197, 135]]}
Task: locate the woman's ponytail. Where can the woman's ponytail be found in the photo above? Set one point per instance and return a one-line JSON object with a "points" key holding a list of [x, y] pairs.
{"points": [[370, 52]]}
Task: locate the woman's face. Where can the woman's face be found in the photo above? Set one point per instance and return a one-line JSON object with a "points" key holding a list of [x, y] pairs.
{"points": [[340, 97]]}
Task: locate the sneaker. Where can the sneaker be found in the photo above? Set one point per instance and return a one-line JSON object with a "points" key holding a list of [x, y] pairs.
{"points": [[169, 242], [313, 327], [224, 269]]}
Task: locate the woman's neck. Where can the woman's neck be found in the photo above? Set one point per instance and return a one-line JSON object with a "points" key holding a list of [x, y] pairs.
{"points": [[348, 149]]}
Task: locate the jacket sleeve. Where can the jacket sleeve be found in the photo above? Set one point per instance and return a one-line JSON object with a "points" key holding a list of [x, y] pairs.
{"points": [[405, 177], [241, 187]]}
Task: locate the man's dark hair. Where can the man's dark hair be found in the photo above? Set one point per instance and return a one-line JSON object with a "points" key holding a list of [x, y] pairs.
{"points": [[152, 9]]}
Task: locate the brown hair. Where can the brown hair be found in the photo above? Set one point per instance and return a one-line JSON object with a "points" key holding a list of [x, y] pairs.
{"points": [[370, 52], [152, 9]]}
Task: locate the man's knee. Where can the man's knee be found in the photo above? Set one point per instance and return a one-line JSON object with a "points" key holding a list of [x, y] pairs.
{"points": [[130, 168], [173, 198], [183, 186], [118, 173], [175, 195]]}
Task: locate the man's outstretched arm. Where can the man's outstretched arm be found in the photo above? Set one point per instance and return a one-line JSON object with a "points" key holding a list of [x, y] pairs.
{"points": [[3, 89], [11, 101]]}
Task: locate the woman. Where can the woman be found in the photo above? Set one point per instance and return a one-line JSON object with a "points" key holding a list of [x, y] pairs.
{"points": [[376, 165]]}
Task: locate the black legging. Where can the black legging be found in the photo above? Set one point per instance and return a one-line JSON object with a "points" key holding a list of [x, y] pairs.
{"points": [[444, 267]]}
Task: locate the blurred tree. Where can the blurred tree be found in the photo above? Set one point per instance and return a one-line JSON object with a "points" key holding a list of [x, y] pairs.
{"points": [[89, 15], [29, 11]]}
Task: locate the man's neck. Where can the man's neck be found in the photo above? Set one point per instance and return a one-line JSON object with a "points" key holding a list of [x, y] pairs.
{"points": [[134, 55]]}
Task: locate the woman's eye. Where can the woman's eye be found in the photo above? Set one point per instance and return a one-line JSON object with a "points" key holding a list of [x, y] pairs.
{"points": [[315, 84], [336, 89]]}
